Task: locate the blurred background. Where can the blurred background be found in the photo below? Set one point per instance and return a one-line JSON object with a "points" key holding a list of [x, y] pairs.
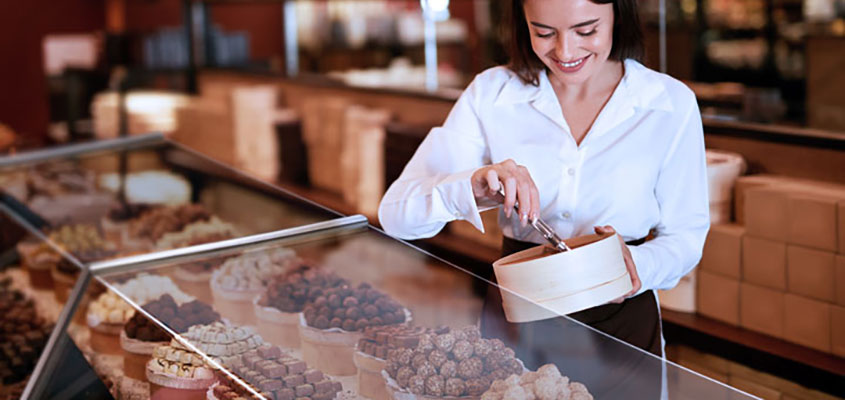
{"points": [[329, 99], [772, 61]]}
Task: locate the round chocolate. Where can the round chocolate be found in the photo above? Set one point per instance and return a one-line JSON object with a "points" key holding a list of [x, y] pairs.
{"points": [[434, 385]]}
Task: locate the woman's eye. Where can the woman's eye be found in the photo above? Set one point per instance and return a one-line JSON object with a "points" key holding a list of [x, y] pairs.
{"points": [[590, 33], [545, 35]]}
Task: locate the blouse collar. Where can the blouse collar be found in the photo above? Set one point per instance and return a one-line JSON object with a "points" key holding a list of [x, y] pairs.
{"points": [[640, 86]]}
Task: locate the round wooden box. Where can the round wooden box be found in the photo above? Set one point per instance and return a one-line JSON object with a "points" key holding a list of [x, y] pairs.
{"points": [[541, 283], [275, 326]]}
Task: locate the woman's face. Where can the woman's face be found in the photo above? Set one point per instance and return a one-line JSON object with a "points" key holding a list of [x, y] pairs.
{"points": [[573, 38]]}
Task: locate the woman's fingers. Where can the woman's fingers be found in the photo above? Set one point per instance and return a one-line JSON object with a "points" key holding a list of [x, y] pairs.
{"points": [[535, 200], [525, 201], [510, 195], [492, 180]]}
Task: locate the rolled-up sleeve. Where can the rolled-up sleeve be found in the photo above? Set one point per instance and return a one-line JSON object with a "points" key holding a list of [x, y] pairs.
{"points": [[681, 192], [435, 188]]}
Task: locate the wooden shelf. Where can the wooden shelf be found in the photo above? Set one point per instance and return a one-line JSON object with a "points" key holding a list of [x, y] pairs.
{"points": [[758, 341]]}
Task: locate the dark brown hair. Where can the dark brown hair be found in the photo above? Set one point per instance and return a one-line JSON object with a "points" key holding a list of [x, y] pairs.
{"points": [[627, 38]]}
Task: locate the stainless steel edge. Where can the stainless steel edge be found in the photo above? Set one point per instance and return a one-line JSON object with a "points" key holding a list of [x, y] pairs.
{"points": [[131, 262], [49, 356], [72, 150]]}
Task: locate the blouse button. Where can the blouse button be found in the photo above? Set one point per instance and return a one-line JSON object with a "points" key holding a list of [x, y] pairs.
{"points": [[567, 215], [571, 171]]}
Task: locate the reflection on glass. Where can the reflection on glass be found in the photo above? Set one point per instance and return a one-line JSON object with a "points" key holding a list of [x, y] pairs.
{"points": [[166, 201], [352, 314]]}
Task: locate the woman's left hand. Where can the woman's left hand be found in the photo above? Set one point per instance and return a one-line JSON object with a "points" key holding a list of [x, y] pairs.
{"points": [[629, 263]]}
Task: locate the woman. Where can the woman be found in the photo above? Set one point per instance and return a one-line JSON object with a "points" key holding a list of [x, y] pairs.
{"points": [[582, 135]]}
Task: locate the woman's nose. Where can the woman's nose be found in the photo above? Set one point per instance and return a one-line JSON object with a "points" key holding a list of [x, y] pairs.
{"points": [[565, 47]]}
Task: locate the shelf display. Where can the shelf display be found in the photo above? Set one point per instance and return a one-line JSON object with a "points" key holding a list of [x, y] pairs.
{"points": [[372, 317]]}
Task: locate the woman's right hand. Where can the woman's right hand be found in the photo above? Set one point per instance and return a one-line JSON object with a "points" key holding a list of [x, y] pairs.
{"points": [[518, 186]]}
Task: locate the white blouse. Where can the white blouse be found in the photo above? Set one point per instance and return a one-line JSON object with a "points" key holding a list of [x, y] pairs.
{"points": [[641, 166]]}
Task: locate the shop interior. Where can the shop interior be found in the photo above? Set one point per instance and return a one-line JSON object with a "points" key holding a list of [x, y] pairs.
{"points": [[270, 129]]}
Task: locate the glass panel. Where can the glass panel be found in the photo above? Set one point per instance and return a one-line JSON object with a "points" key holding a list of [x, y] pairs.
{"points": [[169, 200], [317, 317], [32, 294]]}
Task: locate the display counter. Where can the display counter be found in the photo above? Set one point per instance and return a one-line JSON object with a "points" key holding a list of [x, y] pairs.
{"points": [[238, 289]]}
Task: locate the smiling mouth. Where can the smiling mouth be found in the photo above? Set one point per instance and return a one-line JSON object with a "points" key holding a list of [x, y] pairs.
{"points": [[573, 63]]}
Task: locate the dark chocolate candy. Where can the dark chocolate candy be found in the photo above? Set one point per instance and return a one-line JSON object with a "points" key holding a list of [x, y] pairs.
{"points": [[304, 390], [313, 376], [293, 381], [296, 367], [269, 385]]}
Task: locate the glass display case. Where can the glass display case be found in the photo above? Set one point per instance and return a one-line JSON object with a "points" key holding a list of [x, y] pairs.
{"points": [[167, 300]]}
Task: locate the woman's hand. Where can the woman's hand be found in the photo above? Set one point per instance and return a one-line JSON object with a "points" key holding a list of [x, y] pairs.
{"points": [[518, 187], [629, 263]]}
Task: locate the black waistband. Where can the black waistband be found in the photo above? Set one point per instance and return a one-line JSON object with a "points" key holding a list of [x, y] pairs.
{"points": [[513, 244]]}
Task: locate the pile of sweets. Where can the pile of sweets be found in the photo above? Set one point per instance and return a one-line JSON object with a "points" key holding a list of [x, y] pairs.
{"points": [[212, 230], [300, 285], [176, 317], [59, 178], [23, 334], [223, 342], [545, 384], [378, 341], [456, 363], [82, 241], [277, 376], [155, 223], [253, 271], [177, 361], [145, 288], [353, 309], [109, 308]]}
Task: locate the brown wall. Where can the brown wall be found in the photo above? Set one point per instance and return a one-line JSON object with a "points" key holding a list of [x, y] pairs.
{"points": [[23, 25], [263, 22]]}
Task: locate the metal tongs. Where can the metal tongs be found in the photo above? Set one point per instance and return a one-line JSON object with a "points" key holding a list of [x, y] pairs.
{"points": [[542, 227]]}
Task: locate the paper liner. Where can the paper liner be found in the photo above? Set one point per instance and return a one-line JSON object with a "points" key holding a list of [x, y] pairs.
{"points": [[136, 346], [196, 285], [397, 393], [276, 326], [236, 305], [209, 395], [331, 350], [103, 327], [188, 276], [105, 343], [176, 382], [370, 382], [330, 335]]}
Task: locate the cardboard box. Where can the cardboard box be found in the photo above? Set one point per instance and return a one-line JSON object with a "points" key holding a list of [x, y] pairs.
{"points": [[810, 273], [837, 332], [718, 297], [743, 183], [723, 250], [839, 278], [764, 262], [761, 309], [807, 322], [767, 212], [812, 220]]}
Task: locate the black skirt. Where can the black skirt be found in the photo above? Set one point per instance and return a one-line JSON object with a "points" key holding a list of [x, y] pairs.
{"points": [[609, 368]]}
